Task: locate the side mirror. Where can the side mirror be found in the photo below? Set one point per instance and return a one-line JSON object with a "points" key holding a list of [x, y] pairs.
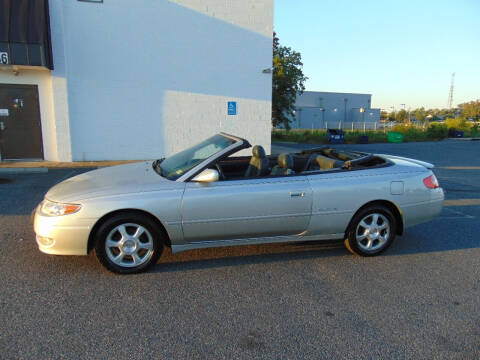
{"points": [[206, 176]]}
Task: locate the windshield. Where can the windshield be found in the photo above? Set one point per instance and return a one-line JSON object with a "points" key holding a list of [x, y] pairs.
{"points": [[176, 165]]}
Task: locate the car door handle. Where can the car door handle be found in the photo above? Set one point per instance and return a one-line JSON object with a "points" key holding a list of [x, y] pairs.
{"points": [[297, 194]]}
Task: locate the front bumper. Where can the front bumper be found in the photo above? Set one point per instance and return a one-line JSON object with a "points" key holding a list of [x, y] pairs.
{"points": [[62, 235]]}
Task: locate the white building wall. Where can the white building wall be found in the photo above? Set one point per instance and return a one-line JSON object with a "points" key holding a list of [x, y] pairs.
{"points": [[150, 77], [60, 82]]}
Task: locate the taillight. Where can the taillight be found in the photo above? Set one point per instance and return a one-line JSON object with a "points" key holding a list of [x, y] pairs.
{"points": [[431, 182]]}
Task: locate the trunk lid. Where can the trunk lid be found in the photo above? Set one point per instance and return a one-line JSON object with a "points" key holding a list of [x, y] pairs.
{"points": [[414, 161]]}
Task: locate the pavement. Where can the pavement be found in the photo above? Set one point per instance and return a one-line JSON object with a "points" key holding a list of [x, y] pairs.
{"points": [[419, 300]]}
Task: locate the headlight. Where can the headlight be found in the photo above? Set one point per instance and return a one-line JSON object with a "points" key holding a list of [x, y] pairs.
{"points": [[50, 208]]}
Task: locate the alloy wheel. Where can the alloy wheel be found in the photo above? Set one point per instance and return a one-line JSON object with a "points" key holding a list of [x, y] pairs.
{"points": [[129, 245], [373, 232]]}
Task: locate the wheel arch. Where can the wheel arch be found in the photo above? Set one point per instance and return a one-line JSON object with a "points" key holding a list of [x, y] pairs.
{"points": [[161, 227], [396, 211]]}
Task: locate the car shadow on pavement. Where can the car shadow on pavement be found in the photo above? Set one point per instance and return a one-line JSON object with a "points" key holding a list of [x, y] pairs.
{"points": [[455, 229], [247, 255], [414, 242], [426, 238]]}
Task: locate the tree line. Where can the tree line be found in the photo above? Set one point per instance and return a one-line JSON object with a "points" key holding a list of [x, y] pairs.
{"points": [[468, 111]]}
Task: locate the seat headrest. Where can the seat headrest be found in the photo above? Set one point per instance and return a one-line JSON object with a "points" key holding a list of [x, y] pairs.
{"points": [[327, 163], [285, 161], [258, 151]]}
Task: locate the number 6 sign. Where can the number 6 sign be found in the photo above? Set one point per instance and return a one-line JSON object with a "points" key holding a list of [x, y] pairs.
{"points": [[3, 58]]}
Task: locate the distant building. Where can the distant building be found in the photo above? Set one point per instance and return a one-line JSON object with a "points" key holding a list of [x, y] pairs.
{"points": [[321, 110]]}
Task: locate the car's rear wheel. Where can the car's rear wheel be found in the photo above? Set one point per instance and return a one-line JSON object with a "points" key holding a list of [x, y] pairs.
{"points": [[128, 243], [371, 231]]}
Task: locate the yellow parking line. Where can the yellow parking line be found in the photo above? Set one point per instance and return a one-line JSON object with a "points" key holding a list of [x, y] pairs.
{"points": [[460, 167], [462, 202]]}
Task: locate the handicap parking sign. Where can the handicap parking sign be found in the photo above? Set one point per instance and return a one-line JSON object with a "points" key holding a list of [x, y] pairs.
{"points": [[232, 108]]}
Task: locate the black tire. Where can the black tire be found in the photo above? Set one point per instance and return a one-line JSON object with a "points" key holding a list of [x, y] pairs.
{"points": [[358, 245], [151, 236]]}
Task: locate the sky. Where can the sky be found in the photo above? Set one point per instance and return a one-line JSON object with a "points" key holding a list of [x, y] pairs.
{"points": [[401, 52]]}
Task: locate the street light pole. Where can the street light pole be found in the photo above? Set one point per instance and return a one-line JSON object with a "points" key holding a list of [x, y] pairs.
{"points": [[323, 116], [362, 110], [403, 107]]}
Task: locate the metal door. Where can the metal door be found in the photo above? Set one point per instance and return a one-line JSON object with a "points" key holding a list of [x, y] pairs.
{"points": [[20, 127], [249, 208]]}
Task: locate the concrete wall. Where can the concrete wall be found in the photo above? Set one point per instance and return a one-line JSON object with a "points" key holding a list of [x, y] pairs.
{"points": [[319, 110], [368, 116], [150, 77]]}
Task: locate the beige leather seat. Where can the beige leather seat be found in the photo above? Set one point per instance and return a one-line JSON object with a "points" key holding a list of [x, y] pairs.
{"points": [[284, 167], [259, 163], [320, 162]]}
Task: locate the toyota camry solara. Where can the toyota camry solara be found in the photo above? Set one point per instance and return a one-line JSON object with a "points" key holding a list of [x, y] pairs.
{"points": [[205, 196]]}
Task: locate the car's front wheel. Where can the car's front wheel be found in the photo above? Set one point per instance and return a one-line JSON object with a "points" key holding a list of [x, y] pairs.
{"points": [[371, 231], [128, 243]]}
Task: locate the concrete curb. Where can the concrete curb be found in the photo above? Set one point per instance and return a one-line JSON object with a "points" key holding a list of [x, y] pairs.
{"points": [[23, 170], [466, 139]]}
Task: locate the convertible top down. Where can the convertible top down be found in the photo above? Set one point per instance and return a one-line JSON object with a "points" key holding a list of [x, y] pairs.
{"points": [[205, 196]]}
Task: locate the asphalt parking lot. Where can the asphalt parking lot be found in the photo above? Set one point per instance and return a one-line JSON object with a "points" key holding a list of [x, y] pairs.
{"points": [[419, 300]]}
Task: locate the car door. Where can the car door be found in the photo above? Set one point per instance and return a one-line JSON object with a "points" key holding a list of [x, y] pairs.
{"points": [[246, 208], [338, 194]]}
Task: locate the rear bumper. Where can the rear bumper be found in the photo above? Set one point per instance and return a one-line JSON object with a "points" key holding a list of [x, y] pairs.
{"points": [[61, 235], [418, 213]]}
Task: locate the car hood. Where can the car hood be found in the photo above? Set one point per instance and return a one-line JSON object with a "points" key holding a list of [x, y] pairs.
{"points": [[115, 180]]}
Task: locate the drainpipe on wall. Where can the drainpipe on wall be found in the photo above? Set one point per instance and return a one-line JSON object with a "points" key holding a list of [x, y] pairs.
{"points": [[2, 127]]}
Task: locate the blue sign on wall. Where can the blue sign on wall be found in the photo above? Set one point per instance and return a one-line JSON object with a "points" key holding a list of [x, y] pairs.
{"points": [[232, 108]]}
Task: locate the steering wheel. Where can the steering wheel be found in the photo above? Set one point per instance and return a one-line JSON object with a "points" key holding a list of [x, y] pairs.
{"points": [[220, 171]]}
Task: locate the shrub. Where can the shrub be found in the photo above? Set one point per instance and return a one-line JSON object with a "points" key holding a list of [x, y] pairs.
{"points": [[437, 131], [475, 130], [401, 128], [411, 133], [458, 123]]}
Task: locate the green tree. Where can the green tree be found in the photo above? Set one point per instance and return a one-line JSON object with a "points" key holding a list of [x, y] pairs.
{"points": [[470, 110], [448, 113], [420, 114], [401, 116], [288, 81], [391, 116], [383, 115]]}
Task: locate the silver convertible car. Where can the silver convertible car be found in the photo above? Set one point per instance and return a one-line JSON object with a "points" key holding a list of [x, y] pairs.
{"points": [[206, 197]]}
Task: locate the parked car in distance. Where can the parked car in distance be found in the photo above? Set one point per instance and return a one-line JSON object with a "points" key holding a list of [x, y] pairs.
{"points": [[205, 196]]}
